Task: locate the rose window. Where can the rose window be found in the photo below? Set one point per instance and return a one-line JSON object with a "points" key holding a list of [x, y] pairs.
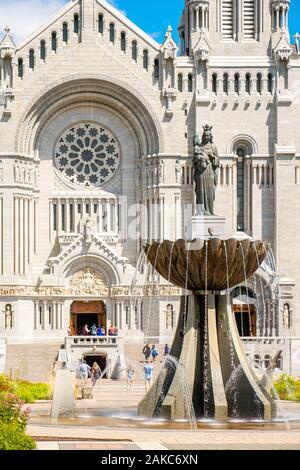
{"points": [[87, 154]]}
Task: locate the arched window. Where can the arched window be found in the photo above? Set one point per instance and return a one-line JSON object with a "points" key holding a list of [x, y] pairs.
{"points": [[100, 23], [190, 82], [180, 82], [240, 189], [54, 41], [76, 23], [20, 68], [225, 83], [236, 83], [258, 82], [214, 82], [257, 360], [134, 50], [267, 360], [156, 68], [43, 50], [145, 59], [31, 59], [112, 32], [65, 32], [270, 83], [248, 83], [123, 41]]}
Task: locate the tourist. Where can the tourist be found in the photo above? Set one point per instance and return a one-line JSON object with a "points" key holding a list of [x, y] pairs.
{"points": [[154, 352], [95, 373], [130, 372], [94, 330], [99, 331], [86, 330], [148, 371], [84, 370], [113, 331], [69, 331], [166, 350], [147, 352]]}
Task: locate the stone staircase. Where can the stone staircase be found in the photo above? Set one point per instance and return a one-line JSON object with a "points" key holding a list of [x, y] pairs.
{"points": [[32, 362]]}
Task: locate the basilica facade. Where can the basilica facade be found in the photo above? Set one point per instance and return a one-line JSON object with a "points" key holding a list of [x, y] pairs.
{"points": [[96, 139]]}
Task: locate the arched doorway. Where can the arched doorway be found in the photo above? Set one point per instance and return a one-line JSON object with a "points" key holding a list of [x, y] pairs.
{"points": [[244, 308], [87, 313]]}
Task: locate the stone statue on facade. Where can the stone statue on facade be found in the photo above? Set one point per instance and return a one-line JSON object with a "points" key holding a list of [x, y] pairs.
{"points": [[8, 317], [206, 163], [88, 231]]}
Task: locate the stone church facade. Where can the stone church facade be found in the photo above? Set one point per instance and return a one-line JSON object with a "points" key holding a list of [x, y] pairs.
{"points": [[96, 128]]}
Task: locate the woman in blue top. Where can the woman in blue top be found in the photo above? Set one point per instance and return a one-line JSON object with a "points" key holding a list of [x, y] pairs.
{"points": [[148, 371], [154, 352]]}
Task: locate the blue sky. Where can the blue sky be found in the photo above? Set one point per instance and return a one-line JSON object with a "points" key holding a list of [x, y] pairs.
{"points": [[153, 16]]}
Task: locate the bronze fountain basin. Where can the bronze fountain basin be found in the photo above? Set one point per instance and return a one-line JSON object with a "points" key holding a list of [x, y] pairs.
{"points": [[212, 265]]}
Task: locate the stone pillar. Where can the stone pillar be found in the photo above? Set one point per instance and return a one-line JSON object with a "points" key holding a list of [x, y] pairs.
{"points": [[108, 216], [50, 221], [58, 216], [25, 208], [36, 320], [44, 315], [16, 235], [67, 216], [116, 216]]}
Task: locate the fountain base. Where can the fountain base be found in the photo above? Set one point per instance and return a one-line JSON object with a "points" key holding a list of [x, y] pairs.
{"points": [[219, 381]]}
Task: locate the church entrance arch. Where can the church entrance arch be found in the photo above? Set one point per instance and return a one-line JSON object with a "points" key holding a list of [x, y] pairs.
{"points": [[87, 313]]}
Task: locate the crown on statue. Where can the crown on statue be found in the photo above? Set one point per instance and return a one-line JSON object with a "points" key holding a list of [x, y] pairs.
{"points": [[207, 128]]}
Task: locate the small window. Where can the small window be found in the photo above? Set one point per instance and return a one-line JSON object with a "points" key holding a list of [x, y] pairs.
{"points": [[145, 59], [31, 59], [236, 83], [65, 32], [43, 50], [63, 218], [54, 41], [180, 82], [248, 83], [100, 23], [225, 83], [270, 83], [214, 82], [112, 32], [76, 23], [134, 50], [20, 68], [123, 42], [190, 82], [156, 68], [258, 82]]}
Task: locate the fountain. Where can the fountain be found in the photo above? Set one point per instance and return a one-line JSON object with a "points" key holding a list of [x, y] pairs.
{"points": [[221, 382], [63, 403]]}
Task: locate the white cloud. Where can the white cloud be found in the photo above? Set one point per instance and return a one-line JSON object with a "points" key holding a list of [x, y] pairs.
{"points": [[24, 16]]}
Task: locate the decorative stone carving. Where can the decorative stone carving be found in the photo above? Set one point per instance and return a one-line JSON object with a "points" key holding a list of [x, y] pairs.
{"points": [[283, 49], [178, 169], [87, 155], [138, 176], [169, 47], [87, 282], [8, 317], [170, 317], [24, 172], [286, 316]]}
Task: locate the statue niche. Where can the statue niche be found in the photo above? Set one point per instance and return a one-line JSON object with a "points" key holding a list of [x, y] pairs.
{"points": [[206, 163], [8, 317]]}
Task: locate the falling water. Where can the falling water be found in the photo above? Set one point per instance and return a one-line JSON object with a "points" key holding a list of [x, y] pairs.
{"points": [[186, 286], [228, 302], [187, 397], [262, 330], [246, 283], [205, 359]]}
